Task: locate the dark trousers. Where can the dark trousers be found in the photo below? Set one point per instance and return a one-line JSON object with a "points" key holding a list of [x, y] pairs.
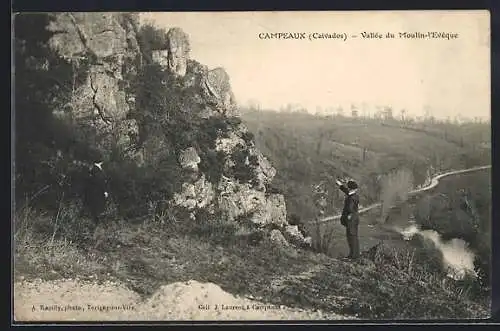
{"points": [[352, 237], [95, 203]]}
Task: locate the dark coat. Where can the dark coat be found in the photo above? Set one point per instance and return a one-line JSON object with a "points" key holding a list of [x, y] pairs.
{"points": [[95, 188], [350, 215]]}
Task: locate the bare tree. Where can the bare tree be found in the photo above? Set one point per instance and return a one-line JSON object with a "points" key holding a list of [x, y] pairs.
{"points": [[403, 115]]}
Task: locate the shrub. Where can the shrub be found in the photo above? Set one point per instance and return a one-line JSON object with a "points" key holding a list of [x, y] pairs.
{"points": [[212, 164], [213, 227], [322, 239], [242, 169]]}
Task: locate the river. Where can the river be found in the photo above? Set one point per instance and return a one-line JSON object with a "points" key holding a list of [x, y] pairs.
{"points": [[457, 257]]}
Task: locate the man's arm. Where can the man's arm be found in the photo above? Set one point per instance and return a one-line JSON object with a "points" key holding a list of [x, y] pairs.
{"points": [[342, 187]]}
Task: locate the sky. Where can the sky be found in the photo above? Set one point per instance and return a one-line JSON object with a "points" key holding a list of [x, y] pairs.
{"points": [[448, 77]]}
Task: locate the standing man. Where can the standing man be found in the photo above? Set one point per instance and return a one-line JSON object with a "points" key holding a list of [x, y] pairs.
{"points": [[350, 216], [96, 192]]}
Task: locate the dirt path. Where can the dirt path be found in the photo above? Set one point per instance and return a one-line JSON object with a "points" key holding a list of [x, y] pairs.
{"points": [[76, 300]]}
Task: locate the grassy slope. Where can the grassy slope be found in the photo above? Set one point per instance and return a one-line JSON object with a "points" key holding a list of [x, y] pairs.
{"points": [[145, 256], [149, 255]]}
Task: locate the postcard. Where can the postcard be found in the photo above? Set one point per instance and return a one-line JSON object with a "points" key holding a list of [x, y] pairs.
{"points": [[251, 166]]}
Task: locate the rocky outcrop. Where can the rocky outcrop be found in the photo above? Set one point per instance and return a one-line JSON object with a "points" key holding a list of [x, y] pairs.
{"points": [[102, 48], [261, 168], [189, 159], [217, 90], [178, 51], [196, 196], [241, 192], [237, 200], [175, 54], [103, 53], [214, 85]]}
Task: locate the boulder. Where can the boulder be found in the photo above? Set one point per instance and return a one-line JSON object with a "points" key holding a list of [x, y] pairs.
{"points": [[236, 200], [197, 195], [273, 211], [217, 91], [278, 240], [293, 235], [189, 159]]}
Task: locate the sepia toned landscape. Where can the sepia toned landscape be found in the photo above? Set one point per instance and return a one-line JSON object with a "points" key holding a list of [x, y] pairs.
{"points": [[178, 167]]}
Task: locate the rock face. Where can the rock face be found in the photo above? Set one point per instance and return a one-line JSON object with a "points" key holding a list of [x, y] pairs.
{"points": [[103, 51], [161, 57], [261, 168], [175, 56], [237, 200], [241, 191], [189, 159], [217, 90], [178, 51], [195, 196], [104, 47], [214, 84]]}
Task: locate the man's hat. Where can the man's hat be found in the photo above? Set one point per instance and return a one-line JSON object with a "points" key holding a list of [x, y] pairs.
{"points": [[352, 185]]}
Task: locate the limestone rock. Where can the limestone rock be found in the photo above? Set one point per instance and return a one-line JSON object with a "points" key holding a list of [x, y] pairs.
{"points": [[178, 49], [295, 237], [237, 200], [189, 159], [228, 144], [218, 92], [263, 170], [272, 211], [103, 48], [78, 33], [197, 195], [277, 239], [160, 56]]}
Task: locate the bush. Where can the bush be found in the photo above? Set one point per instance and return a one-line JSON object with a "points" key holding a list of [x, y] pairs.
{"points": [[212, 164], [151, 38], [322, 239], [45, 146], [213, 227], [242, 169]]}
